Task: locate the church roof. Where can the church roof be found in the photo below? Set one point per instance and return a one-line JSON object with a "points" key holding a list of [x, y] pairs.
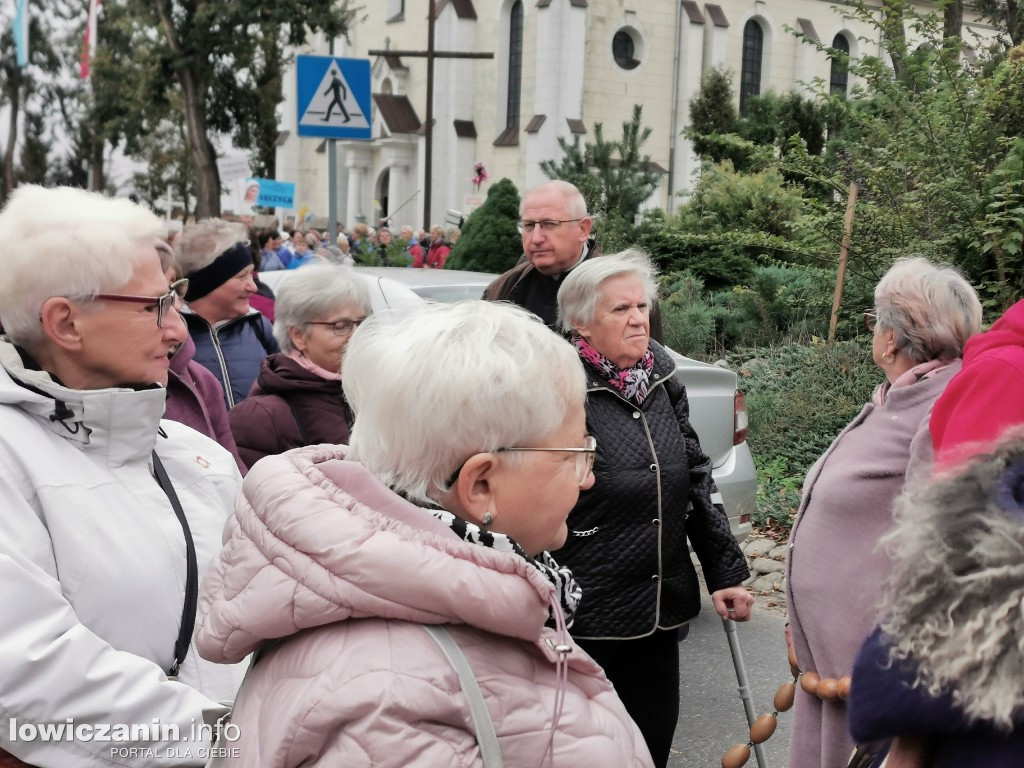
{"points": [[397, 113]]}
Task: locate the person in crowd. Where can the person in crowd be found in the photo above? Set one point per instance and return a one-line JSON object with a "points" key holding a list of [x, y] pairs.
{"points": [[555, 228], [194, 396], [337, 255], [413, 250], [231, 337], [270, 241], [263, 299], [360, 245], [110, 513], [923, 315], [944, 674], [298, 397], [627, 543], [386, 247], [439, 249], [437, 515], [305, 251], [981, 401], [452, 235]]}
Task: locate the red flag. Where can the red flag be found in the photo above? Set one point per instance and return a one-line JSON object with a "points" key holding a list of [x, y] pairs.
{"points": [[89, 43]]}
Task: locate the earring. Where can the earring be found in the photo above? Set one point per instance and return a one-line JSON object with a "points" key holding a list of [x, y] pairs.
{"points": [[487, 520], [890, 359]]}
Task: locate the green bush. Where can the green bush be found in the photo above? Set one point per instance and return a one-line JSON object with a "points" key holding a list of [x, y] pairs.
{"points": [[490, 241], [688, 320]]}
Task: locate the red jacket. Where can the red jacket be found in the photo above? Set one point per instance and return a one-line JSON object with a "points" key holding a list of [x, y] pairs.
{"points": [[437, 253], [987, 396]]}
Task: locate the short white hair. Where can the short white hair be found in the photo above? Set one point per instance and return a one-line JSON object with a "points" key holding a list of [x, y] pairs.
{"points": [[575, 204], [932, 309], [65, 242], [312, 291], [205, 240], [581, 289], [434, 388]]}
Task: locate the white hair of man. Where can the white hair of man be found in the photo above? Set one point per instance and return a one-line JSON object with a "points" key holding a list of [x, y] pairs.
{"points": [[313, 291], [71, 243], [436, 387], [580, 291], [205, 240], [575, 205], [932, 308]]}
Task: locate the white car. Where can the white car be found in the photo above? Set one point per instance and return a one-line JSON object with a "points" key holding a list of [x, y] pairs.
{"points": [[718, 409]]}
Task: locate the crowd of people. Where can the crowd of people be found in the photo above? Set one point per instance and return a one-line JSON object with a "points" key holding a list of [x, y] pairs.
{"points": [[463, 530]]}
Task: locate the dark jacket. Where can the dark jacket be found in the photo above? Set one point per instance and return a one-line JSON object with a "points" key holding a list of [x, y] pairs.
{"points": [[195, 398], [525, 286], [289, 407], [233, 352], [885, 703], [653, 488]]}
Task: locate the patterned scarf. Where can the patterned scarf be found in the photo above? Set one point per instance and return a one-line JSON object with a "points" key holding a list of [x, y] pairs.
{"points": [[567, 590], [630, 382]]}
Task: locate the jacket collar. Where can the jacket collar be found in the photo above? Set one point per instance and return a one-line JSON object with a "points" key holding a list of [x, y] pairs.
{"points": [[664, 369]]}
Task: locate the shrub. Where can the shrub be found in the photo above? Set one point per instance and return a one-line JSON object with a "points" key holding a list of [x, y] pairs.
{"points": [[688, 320], [490, 241]]}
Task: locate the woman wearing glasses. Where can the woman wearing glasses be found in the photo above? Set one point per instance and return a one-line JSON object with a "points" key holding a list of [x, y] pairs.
{"points": [[923, 315], [298, 399], [438, 513], [653, 489], [110, 514]]}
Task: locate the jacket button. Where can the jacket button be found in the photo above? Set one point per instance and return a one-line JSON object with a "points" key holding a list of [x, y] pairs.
{"points": [[657, 375], [636, 414], [656, 522], [654, 467], [655, 577]]}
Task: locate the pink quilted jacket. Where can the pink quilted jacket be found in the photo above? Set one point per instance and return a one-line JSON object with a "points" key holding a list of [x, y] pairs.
{"points": [[323, 554]]}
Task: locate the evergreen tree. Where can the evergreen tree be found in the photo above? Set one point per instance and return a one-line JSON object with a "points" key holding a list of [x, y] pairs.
{"points": [[33, 161], [490, 241], [712, 114]]}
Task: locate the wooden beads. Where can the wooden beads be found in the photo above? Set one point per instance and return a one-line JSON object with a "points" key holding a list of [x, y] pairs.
{"points": [[784, 697], [809, 682], [825, 688], [763, 728], [736, 756]]}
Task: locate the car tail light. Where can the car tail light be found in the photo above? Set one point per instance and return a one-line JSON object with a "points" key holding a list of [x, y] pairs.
{"points": [[740, 423]]}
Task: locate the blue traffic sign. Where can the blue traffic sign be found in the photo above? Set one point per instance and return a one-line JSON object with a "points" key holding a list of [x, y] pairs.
{"points": [[333, 97]]}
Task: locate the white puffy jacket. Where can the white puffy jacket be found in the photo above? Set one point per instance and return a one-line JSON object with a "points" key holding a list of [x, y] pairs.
{"points": [[93, 569]]}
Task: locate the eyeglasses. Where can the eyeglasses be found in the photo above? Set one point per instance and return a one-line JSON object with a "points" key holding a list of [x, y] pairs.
{"points": [[870, 318], [172, 298], [584, 456], [547, 225], [343, 327]]}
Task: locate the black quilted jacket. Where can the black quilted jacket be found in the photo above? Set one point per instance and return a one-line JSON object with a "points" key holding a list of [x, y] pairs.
{"points": [[653, 489]]}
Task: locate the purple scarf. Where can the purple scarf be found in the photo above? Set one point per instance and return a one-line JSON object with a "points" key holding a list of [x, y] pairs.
{"points": [[630, 382]]}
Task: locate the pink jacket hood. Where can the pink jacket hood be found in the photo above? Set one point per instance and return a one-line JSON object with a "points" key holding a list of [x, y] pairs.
{"points": [[316, 540]]}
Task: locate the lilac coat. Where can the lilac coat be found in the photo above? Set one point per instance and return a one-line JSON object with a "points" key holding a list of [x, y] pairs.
{"points": [[321, 553], [835, 571], [196, 399]]}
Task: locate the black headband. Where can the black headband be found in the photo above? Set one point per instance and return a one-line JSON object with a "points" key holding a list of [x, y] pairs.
{"points": [[219, 271]]}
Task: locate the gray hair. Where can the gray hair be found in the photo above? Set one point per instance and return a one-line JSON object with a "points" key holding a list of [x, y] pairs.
{"points": [[436, 387], [70, 243], [313, 291], [204, 241], [581, 289], [958, 582], [575, 205], [932, 308]]}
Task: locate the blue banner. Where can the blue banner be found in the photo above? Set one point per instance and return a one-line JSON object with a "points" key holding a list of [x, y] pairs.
{"points": [[20, 28], [268, 193]]}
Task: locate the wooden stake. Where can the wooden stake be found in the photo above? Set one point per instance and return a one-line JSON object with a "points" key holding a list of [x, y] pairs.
{"points": [[844, 252]]}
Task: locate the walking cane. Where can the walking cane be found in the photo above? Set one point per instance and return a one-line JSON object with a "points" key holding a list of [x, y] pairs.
{"points": [[744, 687]]}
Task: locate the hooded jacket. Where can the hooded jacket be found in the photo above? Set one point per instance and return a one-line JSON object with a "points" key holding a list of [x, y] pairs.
{"points": [[324, 555], [93, 566], [233, 350], [196, 399], [289, 407], [985, 398]]}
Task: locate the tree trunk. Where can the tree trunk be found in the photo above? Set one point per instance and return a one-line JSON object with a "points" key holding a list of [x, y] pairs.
{"points": [[12, 135], [953, 20], [97, 180], [892, 27], [204, 160], [1013, 22]]}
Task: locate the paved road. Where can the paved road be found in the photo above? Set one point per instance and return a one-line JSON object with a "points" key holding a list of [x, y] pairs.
{"points": [[711, 713]]}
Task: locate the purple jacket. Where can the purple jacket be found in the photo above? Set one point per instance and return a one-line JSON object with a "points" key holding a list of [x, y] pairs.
{"points": [[288, 407], [196, 399]]}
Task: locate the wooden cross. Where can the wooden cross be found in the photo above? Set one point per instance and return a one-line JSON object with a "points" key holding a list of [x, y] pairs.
{"points": [[430, 55], [169, 202]]}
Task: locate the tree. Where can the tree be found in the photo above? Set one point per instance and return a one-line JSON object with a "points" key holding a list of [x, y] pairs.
{"points": [[490, 241], [223, 58], [712, 114], [33, 162], [614, 177], [168, 166]]}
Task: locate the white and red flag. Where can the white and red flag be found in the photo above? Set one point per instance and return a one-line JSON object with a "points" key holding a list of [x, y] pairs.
{"points": [[89, 43]]}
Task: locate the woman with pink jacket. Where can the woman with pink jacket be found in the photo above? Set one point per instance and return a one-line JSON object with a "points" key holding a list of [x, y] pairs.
{"points": [[440, 512]]}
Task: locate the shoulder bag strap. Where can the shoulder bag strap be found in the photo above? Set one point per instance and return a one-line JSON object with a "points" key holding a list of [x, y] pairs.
{"points": [[486, 738], [188, 612]]}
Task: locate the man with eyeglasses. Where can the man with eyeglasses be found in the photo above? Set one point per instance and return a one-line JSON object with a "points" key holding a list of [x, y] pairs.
{"points": [[555, 227]]}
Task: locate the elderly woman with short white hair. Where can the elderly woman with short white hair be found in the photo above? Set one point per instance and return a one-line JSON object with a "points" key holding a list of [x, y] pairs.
{"points": [[468, 451], [298, 398], [923, 315], [110, 513], [653, 490]]}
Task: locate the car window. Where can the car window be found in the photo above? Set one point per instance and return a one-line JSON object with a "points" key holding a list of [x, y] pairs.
{"points": [[449, 293]]}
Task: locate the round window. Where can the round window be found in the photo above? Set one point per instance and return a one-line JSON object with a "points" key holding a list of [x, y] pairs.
{"points": [[624, 49]]}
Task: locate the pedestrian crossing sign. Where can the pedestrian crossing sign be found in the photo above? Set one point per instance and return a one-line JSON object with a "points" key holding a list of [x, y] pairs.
{"points": [[333, 97]]}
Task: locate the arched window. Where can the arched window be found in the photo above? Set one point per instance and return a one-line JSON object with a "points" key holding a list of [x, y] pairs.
{"points": [[515, 65], [839, 79], [750, 75]]}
